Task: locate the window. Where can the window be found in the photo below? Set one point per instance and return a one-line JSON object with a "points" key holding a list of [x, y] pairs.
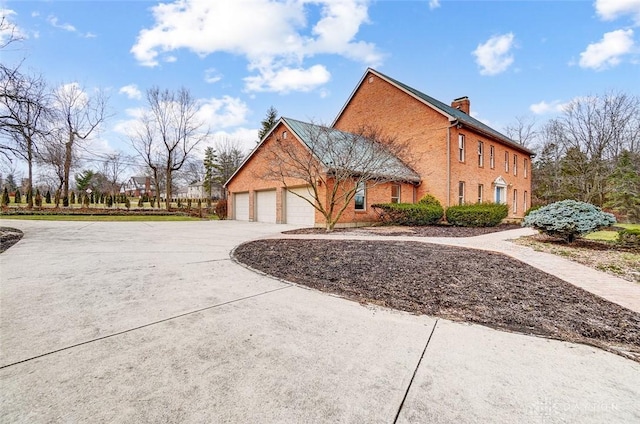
{"points": [[492, 157], [480, 193], [480, 154], [395, 193], [524, 203], [506, 161], [461, 147], [515, 201], [515, 164], [461, 193], [526, 168], [359, 197], [500, 194], [284, 134]]}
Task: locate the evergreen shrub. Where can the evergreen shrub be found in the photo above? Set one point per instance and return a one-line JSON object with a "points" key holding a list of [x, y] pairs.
{"points": [[568, 219], [409, 213], [17, 198], [221, 208], [477, 215], [629, 238], [5, 197]]}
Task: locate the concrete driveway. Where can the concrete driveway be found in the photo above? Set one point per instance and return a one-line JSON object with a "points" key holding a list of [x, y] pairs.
{"points": [[152, 322]]}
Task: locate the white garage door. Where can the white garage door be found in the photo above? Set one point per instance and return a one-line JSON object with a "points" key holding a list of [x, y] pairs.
{"points": [[241, 206], [299, 211], [266, 206]]}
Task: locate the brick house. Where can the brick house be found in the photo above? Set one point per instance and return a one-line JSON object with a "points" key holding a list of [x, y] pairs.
{"points": [[138, 186], [457, 158]]}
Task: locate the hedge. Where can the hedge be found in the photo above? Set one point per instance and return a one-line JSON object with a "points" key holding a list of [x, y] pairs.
{"points": [[629, 238], [409, 213], [477, 215]]}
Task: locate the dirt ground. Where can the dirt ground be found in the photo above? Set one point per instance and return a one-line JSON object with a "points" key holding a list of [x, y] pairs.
{"points": [[450, 282], [427, 231], [9, 237]]}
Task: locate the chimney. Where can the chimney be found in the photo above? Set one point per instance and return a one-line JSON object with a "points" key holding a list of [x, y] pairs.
{"points": [[462, 103]]}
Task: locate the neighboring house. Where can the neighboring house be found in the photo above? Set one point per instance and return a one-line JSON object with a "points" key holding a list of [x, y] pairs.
{"points": [[456, 158], [138, 186]]}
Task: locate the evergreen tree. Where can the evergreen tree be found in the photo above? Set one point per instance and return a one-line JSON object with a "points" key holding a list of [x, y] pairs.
{"points": [[47, 197], [268, 122], [140, 202], [209, 169], [29, 196], [72, 199], [38, 199], [623, 196], [5, 196], [17, 198], [10, 183]]}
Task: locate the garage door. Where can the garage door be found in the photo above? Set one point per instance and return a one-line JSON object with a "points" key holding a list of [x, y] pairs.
{"points": [[241, 206], [266, 206], [298, 211]]}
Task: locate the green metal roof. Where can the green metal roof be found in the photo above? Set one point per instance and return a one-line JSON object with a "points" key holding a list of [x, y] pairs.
{"points": [[341, 149], [459, 115]]}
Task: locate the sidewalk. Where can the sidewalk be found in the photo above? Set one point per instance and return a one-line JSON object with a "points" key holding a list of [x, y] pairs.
{"points": [[617, 290]]}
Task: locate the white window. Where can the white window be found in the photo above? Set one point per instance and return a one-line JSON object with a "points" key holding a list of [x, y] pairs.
{"points": [[461, 147], [480, 154], [359, 197], [506, 161], [480, 193], [461, 193], [515, 164], [395, 193], [501, 194], [515, 201], [492, 157]]}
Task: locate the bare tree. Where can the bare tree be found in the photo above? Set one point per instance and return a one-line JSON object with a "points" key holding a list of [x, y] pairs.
{"points": [[52, 158], [77, 115], [113, 167], [522, 131], [168, 132], [335, 165], [23, 112]]}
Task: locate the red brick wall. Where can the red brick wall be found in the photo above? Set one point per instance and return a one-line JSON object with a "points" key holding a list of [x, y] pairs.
{"points": [[398, 114]]}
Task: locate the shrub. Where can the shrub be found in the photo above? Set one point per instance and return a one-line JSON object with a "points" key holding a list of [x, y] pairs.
{"points": [[47, 197], [127, 202], [140, 202], [531, 209], [221, 208], [17, 198], [629, 238], [29, 195], [5, 197], [38, 198], [409, 213], [477, 215], [429, 200], [72, 199], [568, 219]]}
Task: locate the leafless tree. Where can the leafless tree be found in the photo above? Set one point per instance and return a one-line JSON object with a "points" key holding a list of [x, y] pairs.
{"points": [[522, 131], [113, 168], [77, 115], [335, 164], [167, 133], [52, 158], [24, 109]]}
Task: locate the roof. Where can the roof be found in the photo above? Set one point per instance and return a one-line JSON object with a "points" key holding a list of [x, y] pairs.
{"points": [[335, 148], [452, 113]]}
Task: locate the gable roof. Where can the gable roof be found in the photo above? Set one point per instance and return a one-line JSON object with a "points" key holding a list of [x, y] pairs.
{"points": [[453, 114], [312, 136]]}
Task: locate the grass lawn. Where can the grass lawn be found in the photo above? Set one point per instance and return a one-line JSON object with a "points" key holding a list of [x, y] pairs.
{"points": [[610, 235], [101, 218]]}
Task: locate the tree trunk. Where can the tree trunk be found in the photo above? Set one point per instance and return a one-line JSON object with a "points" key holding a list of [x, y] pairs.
{"points": [[168, 189], [30, 166], [67, 169]]}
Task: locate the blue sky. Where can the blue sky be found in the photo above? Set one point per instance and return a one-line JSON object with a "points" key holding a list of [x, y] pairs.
{"points": [[512, 58]]}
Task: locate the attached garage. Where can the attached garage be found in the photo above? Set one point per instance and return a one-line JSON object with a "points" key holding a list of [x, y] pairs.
{"points": [[241, 206], [266, 206], [297, 210]]}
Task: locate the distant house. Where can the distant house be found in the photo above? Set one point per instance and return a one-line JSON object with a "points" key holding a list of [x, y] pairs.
{"points": [[138, 186], [460, 159]]}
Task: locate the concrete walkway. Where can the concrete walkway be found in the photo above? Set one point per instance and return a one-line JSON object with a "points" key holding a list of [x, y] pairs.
{"points": [[614, 289], [143, 322]]}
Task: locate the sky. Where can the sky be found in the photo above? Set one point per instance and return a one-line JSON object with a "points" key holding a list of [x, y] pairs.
{"points": [[239, 57]]}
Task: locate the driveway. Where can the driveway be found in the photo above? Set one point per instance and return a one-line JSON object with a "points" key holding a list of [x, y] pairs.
{"points": [[152, 322]]}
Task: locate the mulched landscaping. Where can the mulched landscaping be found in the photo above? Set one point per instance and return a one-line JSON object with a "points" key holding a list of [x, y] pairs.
{"points": [[9, 237], [426, 231], [450, 282]]}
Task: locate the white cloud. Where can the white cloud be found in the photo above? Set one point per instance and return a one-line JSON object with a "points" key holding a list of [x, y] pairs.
{"points": [[226, 112], [434, 4], [607, 52], [494, 56], [90, 35], [212, 76], [543, 108], [53, 20], [275, 37], [132, 91], [246, 137], [610, 10], [286, 79]]}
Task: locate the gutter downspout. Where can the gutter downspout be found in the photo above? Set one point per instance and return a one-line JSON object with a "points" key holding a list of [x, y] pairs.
{"points": [[453, 123]]}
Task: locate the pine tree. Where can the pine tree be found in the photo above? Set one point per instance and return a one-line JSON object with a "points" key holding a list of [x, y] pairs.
{"points": [[72, 199], [268, 122], [29, 196], [209, 163], [623, 196], [38, 198], [5, 196], [47, 197], [17, 198]]}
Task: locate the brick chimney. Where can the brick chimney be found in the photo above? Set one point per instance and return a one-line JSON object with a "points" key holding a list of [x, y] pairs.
{"points": [[462, 103]]}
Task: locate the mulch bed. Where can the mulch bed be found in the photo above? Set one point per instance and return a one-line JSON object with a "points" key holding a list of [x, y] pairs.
{"points": [[9, 237], [426, 231], [450, 282]]}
